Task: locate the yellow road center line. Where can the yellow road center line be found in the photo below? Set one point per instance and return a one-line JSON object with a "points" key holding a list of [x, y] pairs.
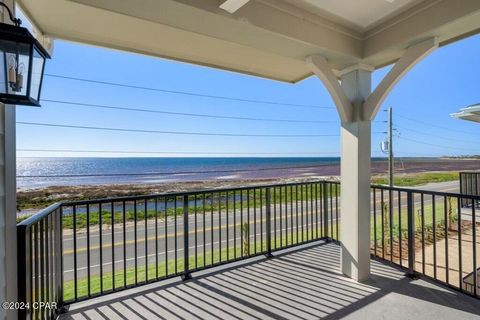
{"points": [[171, 235]]}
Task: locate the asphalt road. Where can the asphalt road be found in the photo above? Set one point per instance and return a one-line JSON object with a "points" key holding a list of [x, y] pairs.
{"points": [[130, 245]]}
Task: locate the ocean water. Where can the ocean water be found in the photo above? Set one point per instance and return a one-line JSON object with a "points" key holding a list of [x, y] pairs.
{"points": [[43, 172]]}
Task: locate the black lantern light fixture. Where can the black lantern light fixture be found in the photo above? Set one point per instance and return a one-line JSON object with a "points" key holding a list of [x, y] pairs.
{"points": [[22, 64]]}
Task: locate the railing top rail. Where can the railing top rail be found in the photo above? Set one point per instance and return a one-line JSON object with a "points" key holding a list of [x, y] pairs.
{"points": [[40, 215], [429, 192], [470, 172]]}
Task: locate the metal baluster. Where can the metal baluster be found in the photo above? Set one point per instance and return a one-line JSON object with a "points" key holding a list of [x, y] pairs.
{"points": [[459, 226], [336, 211], [383, 223], [37, 297], [242, 247], [275, 217], [325, 209], [204, 232], [249, 223], [296, 212], [422, 203], [411, 234], [112, 210], [302, 212], [331, 210], [255, 221], [156, 238], [59, 259], [434, 238], [145, 216], [390, 218], [445, 208], [312, 223], [228, 226], [124, 217], [219, 227], [196, 231], [375, 221], [186, 244], [175, 232], [88, 252], [211, 227], [280, 206], [42, 267], [135, 216], [234, 225], [75, 267], [261, 220], [399, 196], [268, 214], [474, 243], [100, 240], [165, 222]]}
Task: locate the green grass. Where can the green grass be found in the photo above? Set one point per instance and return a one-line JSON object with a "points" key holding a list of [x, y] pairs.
{"points": [[399, 221], [214, 204], [418, 179]]}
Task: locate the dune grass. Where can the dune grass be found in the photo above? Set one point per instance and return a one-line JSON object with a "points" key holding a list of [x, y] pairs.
{"points": [[418, 179]]}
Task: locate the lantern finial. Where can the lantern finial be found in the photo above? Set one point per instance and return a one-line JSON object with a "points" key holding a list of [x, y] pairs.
{"points": [[16, 21]]}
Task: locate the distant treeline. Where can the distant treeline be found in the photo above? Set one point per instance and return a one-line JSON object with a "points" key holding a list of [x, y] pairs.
{"points": [[462, 157]]}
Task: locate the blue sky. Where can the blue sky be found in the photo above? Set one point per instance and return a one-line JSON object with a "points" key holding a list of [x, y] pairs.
{"points": [[439, 85]]}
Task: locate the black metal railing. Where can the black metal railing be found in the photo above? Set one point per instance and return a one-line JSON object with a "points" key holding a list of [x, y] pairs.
{"points": [[40, 286], [428, 233], [470, 185], [109, 245], [113, 244]]}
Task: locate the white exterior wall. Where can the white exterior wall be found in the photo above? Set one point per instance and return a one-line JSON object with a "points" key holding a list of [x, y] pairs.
{"points": [[8, 202]]}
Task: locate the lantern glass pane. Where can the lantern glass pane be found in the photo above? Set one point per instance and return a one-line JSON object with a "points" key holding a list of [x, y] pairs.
{"points": [[3, 74], [37, 68], [14, 79]]}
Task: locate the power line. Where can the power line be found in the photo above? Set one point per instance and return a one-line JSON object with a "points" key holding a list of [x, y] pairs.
{"points": [[433, 135], [174, 152], [176, 132], [103, 106], [165, 173], [437, 126], [432, 144], [195, 94]]}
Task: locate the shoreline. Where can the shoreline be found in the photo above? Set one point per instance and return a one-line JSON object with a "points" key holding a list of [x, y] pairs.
{"points": [[42, 197], [30, 200]]}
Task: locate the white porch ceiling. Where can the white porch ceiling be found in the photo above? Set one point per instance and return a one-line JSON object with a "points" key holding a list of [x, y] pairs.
{"points": [[267, 38], [358, 14]]}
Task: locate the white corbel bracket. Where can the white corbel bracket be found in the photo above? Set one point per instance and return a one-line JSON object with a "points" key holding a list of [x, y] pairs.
{"points": [[410, 58], [321, 68]]}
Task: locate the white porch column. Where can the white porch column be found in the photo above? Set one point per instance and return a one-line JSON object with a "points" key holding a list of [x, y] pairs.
{"points": [[357, 106], [8, 209], [355, 178], [8, 200]]}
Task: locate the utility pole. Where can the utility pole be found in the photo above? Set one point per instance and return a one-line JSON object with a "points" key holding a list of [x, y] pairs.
{"points": [[390, 146]]}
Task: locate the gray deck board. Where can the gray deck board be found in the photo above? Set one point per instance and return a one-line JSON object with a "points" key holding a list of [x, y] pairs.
{"points": [[301, 284]]}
